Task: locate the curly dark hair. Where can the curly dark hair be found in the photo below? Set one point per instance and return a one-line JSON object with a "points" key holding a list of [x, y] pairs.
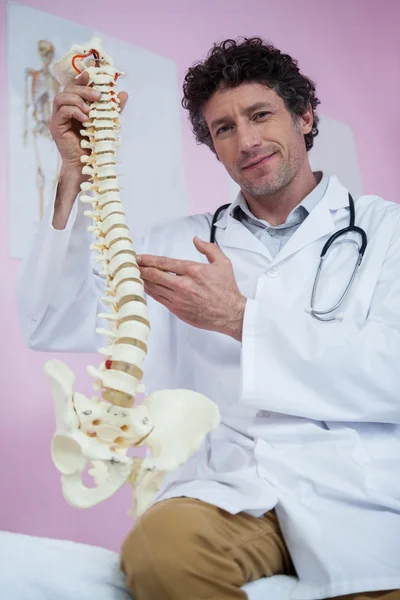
{"points": [[234, 62]]}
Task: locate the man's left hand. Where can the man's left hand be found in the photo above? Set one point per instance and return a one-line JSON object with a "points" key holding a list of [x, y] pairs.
{"points": [[205, 296]]}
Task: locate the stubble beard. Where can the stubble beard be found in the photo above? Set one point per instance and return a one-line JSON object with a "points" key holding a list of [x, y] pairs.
{"points": [[268, 184]]}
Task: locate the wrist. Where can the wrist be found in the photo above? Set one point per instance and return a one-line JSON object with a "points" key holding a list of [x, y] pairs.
{"points": [[235, 324], [68, 188], [72, 173]]}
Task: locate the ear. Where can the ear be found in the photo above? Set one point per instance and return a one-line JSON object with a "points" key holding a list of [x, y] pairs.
{"points": [[306, 120]]}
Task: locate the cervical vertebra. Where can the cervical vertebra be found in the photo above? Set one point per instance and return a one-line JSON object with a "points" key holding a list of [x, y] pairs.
{"points": [[172, 423]]}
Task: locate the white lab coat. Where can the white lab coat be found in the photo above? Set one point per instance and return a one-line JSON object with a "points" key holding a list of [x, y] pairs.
{"points": [[310, 410]]}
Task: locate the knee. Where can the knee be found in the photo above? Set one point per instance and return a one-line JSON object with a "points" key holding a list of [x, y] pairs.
{"points": [[160, 547]]}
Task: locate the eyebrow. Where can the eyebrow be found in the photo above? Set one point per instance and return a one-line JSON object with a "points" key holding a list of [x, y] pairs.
{"points": [[247, 111]]}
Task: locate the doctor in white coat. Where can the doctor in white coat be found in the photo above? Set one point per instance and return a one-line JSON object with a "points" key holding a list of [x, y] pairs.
{"points": [[310, 409]]}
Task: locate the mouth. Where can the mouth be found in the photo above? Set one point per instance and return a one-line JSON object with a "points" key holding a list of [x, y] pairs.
{"points": [[258, 163]]}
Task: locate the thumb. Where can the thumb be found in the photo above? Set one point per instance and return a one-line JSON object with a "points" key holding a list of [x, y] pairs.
{"points": [[210, 250], [123, 96], [82, 79]]}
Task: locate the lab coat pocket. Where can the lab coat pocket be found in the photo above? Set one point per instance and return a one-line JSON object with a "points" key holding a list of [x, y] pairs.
{"points": [[352, 452], [378, 449], [384, 479], [382, 444]]}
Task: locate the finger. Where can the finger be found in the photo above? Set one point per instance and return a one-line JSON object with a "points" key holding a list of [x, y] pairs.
{"points": [[152, 275], [210, 251], [83, 78], [82, 91], [67, 99], [66, 113], [123, 99], [163, 263], [160, 297], [160, 290]]}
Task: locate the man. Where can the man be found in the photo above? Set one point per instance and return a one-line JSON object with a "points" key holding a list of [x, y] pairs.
{"points": [[302, 476]]}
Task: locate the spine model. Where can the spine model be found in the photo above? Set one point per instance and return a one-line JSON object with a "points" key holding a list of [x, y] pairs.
{"points": [[172, 424], [119, 374]]}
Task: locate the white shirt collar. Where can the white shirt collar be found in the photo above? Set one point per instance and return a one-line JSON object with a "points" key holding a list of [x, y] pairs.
{"points": [[297, 215]]}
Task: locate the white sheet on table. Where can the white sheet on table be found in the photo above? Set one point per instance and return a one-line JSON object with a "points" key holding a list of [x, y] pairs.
{"points": [[35, 568]]}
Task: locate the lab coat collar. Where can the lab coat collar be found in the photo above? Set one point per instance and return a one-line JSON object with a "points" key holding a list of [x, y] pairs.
{"points": [[320, 222]]}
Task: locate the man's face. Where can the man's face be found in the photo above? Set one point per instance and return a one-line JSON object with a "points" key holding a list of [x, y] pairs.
{"points": [[256, 138]]}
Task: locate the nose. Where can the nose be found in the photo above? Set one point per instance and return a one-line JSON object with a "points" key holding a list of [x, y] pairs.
{"points": [[248, 138]]}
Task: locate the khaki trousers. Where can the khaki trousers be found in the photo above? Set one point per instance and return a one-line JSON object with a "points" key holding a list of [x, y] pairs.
{"points": [[185, 549]]}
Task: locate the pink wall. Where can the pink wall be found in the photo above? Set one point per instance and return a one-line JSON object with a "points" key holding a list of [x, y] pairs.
{"points": [[351, 48]]}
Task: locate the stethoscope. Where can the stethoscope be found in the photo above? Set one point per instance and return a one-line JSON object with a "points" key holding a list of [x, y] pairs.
{"points": [[323, 315]]}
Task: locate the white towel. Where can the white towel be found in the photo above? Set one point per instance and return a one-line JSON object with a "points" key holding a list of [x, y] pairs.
{"points": [[35, 568]]}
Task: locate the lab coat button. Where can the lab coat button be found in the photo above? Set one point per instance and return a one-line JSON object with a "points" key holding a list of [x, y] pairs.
{"points": [[273, 272]]}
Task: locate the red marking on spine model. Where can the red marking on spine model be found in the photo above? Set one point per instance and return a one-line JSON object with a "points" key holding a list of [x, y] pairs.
{"points": [[92, 51]]}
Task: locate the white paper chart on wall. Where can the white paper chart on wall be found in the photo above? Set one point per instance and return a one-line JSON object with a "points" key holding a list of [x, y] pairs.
{"points": [[334, 152], [152, 129]]}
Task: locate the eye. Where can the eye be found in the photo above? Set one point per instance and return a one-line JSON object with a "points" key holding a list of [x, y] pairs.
{"points": [[222, 129], [262, 114]]}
